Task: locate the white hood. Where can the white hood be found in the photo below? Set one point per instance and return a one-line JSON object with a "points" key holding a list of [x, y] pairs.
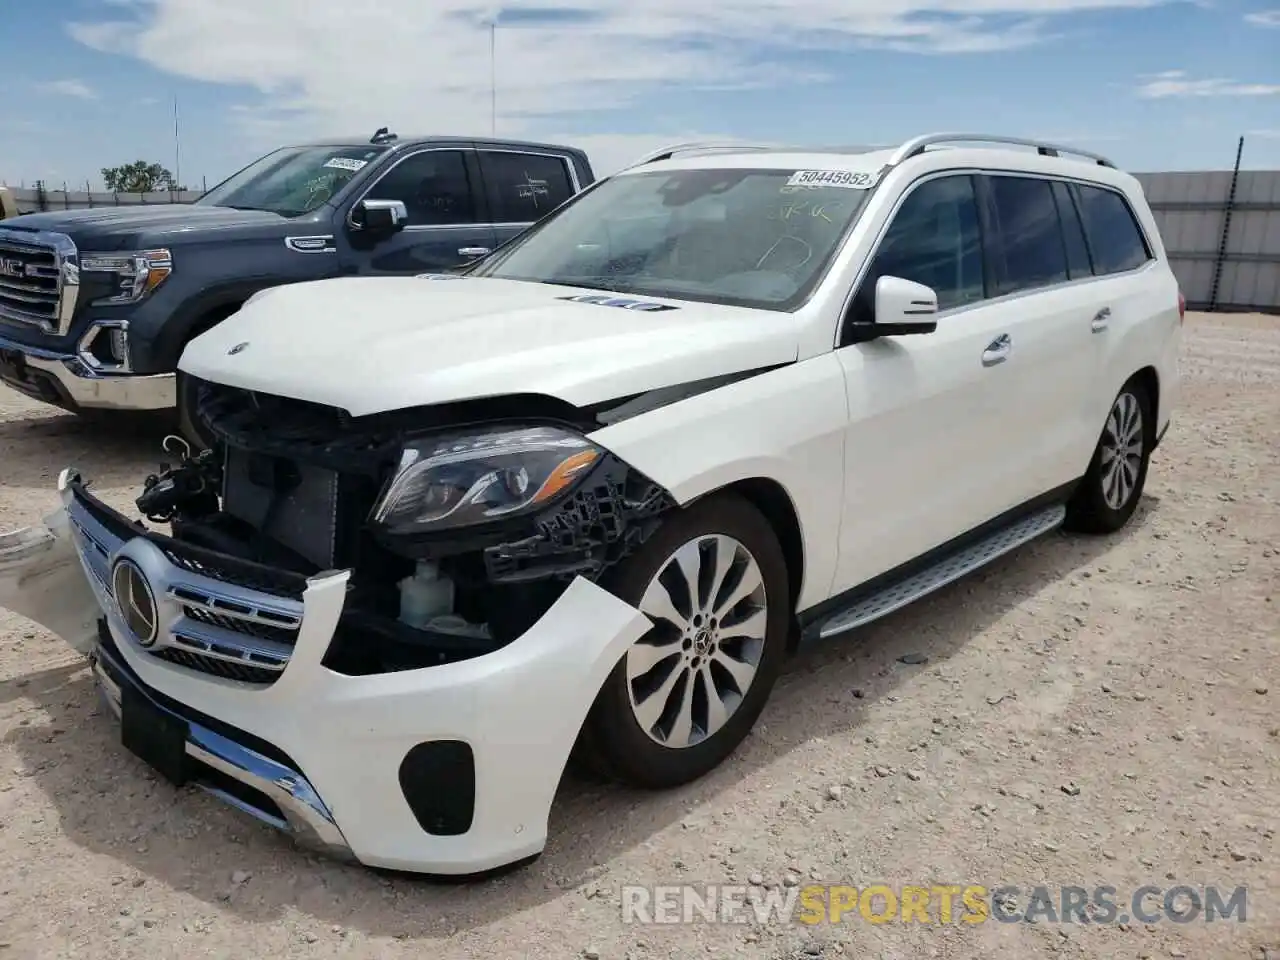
{"points": [[374, 344]]}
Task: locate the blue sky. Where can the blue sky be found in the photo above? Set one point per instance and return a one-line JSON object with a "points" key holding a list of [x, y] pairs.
{"points": [[1156, 85]]}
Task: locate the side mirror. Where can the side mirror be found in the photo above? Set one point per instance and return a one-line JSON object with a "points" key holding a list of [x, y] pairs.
{"points": [[904, 307], [380, 216]]}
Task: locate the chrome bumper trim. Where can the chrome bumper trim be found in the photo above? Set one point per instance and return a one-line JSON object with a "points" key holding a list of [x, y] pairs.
{"points": [[86, 388], [306, 818]]}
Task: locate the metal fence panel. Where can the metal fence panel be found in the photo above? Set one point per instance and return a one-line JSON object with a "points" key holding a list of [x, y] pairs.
{"points": [[1193, 209], [36, 199]]}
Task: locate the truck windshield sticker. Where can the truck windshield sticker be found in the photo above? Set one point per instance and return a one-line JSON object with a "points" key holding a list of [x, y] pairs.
{"points": [[625, 303], [848, 179], [345, 163]]}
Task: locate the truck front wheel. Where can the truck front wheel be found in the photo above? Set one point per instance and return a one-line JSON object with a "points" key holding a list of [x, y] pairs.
{"points": [[188, 423]]}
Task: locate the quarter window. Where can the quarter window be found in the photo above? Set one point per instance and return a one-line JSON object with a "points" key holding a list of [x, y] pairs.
{"points": [[1078, 264], [524, 187], [1029, 248], [934, 239], [433, 186], [1115, 240]]}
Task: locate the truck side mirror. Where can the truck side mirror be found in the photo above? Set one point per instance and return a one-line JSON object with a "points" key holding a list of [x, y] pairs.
{"points": [[380, 216]]}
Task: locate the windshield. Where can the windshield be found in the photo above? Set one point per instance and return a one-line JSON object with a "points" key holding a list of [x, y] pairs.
{"points": [[293, 181], [739, 237]]}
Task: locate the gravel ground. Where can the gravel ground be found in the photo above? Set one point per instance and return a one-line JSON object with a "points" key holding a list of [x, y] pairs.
{"points": [[1092, 711]]}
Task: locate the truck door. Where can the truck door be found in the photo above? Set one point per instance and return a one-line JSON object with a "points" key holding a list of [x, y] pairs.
{"points": [[523, 186], [448, 221]]}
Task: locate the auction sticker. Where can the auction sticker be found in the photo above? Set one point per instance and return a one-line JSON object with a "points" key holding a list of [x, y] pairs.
{"points": [[849, 179], [346, 163]]}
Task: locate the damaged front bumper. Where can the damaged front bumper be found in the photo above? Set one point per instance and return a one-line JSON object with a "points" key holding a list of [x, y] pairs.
{"points": [[448, 769]]}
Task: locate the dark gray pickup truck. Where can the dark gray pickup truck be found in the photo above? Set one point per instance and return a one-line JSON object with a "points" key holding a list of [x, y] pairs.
{"points": [[96, 305]]}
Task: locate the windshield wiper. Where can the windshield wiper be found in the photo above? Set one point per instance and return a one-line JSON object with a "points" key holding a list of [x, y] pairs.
{"points": [[589, 283]]}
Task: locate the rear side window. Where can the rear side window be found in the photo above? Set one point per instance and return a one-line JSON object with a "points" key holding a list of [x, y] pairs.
{"points": [[1115, 239], [1078, 264], [524, 187], [1029, 247]]}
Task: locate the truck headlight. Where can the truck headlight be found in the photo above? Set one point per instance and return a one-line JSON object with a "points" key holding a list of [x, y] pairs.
{"points": [[131, 276], [475, 478]]}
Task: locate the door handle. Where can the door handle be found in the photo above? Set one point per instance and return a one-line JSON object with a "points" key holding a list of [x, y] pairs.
{"points": [[997, 350], [473, 251], [1101, 320]]}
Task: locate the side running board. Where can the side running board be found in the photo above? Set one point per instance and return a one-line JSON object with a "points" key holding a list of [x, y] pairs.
{"points": [[952, 567]]}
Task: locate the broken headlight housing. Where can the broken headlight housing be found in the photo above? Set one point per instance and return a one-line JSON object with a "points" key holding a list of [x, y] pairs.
{"points": [[473, 479]]}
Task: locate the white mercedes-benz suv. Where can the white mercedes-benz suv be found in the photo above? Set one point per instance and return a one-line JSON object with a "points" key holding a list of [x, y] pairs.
{"points": [[582, 497]]}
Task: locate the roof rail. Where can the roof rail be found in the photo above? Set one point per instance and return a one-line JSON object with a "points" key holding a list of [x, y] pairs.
{"points": [[917, 145], [728, 146]]}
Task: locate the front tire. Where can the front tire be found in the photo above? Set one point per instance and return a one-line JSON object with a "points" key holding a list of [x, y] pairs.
{"points": [[1112, 486], [188, 422], [713, 579]]}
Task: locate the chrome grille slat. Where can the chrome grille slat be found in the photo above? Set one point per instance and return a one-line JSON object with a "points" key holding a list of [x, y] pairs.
{"points": [[257, 613], [223, 644], [39, 279], [212, 626]]}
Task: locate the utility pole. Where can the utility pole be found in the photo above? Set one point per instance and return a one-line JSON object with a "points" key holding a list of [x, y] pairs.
{"points": [[177, 150]]}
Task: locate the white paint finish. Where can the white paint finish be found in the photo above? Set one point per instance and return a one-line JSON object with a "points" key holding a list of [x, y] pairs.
{"points": [[786, 426], [928, 452], [347, 342], [519, 708]]}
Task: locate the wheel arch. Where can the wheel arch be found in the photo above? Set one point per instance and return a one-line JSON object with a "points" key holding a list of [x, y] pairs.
{"points": [[200, 314], [774, 503], [1149, 379]]}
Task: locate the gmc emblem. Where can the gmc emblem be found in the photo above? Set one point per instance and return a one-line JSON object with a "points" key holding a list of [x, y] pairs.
{"points": [[13, 268]]}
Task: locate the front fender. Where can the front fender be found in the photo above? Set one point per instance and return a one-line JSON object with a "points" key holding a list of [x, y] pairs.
{"points": [[42, 579]]}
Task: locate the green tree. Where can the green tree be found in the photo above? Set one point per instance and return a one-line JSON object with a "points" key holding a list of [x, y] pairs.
{"points": [[138, 177]]}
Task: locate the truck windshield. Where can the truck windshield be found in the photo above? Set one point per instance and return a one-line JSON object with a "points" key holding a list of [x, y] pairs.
{"points": [[292, 181], [740, 237]]}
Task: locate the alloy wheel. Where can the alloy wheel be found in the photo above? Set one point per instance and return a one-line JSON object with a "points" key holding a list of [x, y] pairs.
{"points": [[1121, 451], [687, 675]]}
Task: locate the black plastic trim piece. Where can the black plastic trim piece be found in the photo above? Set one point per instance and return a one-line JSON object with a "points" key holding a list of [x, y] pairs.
{"points": [[438, 780], [618, 409], [601, 522]]}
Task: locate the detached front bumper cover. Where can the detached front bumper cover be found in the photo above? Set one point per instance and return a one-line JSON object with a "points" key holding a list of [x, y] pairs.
{"points": [[318, 753]]}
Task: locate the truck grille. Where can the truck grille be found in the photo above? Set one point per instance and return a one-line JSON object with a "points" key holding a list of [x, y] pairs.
{"points": [[39, 279]]}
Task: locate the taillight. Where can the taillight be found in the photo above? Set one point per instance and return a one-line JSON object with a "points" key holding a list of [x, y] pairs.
{"points": [[1182, 307]]}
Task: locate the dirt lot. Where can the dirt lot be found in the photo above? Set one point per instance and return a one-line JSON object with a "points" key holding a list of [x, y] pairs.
{"points": [[1092, 712]]}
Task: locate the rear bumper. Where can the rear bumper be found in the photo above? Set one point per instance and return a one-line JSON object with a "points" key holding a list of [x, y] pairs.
{"points": [[66, 381], [336, 759]]}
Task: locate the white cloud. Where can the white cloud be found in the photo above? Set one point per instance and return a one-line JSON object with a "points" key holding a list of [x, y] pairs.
{"points": [[1176, 83], [1263, 18], [1264, 134], [69, 88], [330, 67]]}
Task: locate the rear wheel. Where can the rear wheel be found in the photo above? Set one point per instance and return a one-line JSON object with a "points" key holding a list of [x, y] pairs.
{"points": [[713, 581], [1117, 474]]}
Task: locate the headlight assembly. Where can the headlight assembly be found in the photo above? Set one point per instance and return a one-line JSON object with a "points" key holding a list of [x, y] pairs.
{"points": [[473, 479], [132, 275]]}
